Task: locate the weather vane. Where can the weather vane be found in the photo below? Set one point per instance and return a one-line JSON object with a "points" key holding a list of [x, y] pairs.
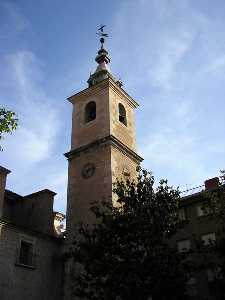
{"points": [[102, 34]]}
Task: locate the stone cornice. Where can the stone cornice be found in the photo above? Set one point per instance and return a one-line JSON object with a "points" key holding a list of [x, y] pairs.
{"points": [[126, 150], [4, 171], [42, 192], [108, 82], [88, 91], [111, 140], [121, 92], [19, 228]]}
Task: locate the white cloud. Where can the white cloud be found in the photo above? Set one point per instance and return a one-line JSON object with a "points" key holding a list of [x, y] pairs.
{"points": [[166, 50], [31, 145], [172, 51], [26, 72], [31, 150], [178, 157], [160, 34], [38, 117]]}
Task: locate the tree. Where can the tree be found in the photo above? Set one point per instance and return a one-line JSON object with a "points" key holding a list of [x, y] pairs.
{"points": [[8, 122], [126, 254]]}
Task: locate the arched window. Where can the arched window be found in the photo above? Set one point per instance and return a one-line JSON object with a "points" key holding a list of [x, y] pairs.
{"points": [[122, 114], [90, 111]]}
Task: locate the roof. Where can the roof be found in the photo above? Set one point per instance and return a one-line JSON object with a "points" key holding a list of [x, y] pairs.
{"points": [[12, 196]]}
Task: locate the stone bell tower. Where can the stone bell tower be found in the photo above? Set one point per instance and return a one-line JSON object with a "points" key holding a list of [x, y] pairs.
{"points": [[103, 142]]}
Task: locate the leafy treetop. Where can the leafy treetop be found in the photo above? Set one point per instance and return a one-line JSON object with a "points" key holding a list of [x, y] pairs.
{"points": [[8, 122]]}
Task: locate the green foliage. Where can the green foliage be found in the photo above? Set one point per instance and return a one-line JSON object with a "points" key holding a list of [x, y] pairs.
{"points": [[126, 254], [8, 122]]}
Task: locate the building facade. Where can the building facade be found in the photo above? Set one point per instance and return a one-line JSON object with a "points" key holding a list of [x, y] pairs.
{"points": [[199, 227], [30, 245]]}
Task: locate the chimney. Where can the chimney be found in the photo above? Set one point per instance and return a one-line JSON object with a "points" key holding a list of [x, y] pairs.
{"points": [[58, 225], [40, 206], [3, 175], [212, 183]]}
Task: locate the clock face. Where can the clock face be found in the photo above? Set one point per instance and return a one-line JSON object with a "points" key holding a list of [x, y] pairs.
{"points": [[88, 170]]}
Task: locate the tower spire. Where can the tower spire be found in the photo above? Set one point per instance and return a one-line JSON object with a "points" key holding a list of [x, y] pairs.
{"points": [[102, 71]]}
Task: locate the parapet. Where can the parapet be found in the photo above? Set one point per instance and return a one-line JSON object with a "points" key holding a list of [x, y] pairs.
{"points": [[33, 211], [3, 176]]}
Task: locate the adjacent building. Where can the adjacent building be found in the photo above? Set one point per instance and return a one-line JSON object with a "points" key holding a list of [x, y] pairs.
{"points": [[31, 265], [199, 226]]}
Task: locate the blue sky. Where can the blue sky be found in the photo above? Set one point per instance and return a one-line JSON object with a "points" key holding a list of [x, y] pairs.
{"points": [[170, 55]]}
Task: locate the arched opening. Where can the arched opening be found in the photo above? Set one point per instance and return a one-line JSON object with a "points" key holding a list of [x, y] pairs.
{"points": [[122, 114], [90, 111]]}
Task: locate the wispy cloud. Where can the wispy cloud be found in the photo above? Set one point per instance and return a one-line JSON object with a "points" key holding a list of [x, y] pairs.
{"points": [[170, 49], [32, 152], [36, 138], [38, 118], [170, 55], [182, 159], [159, 46], [174, 49]]}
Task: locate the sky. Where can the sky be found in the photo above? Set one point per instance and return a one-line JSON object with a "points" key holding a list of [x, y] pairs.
{"points": [[170, 56]]}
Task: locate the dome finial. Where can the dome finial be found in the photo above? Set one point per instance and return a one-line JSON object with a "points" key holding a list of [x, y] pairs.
{"points": [[102, 71]]}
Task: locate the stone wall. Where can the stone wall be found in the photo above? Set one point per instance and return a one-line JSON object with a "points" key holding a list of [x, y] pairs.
{"points": [[84, 133], [83, 191], [126, 134], [42, 280], [3, 175]]}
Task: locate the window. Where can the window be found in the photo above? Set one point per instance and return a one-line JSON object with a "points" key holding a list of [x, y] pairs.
{"points": [[90, 112], [122, 114], [208, 238], [210, 275], [191, 287], [184, 245], [182, 214], [214, 274], [26, 253], [202, 211]]}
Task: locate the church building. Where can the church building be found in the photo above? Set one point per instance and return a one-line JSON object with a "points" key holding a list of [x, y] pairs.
{"points": [[103, 147]]}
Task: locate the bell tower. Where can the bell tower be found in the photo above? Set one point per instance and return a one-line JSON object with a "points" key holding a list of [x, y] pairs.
{"points": [[103, 141]]}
